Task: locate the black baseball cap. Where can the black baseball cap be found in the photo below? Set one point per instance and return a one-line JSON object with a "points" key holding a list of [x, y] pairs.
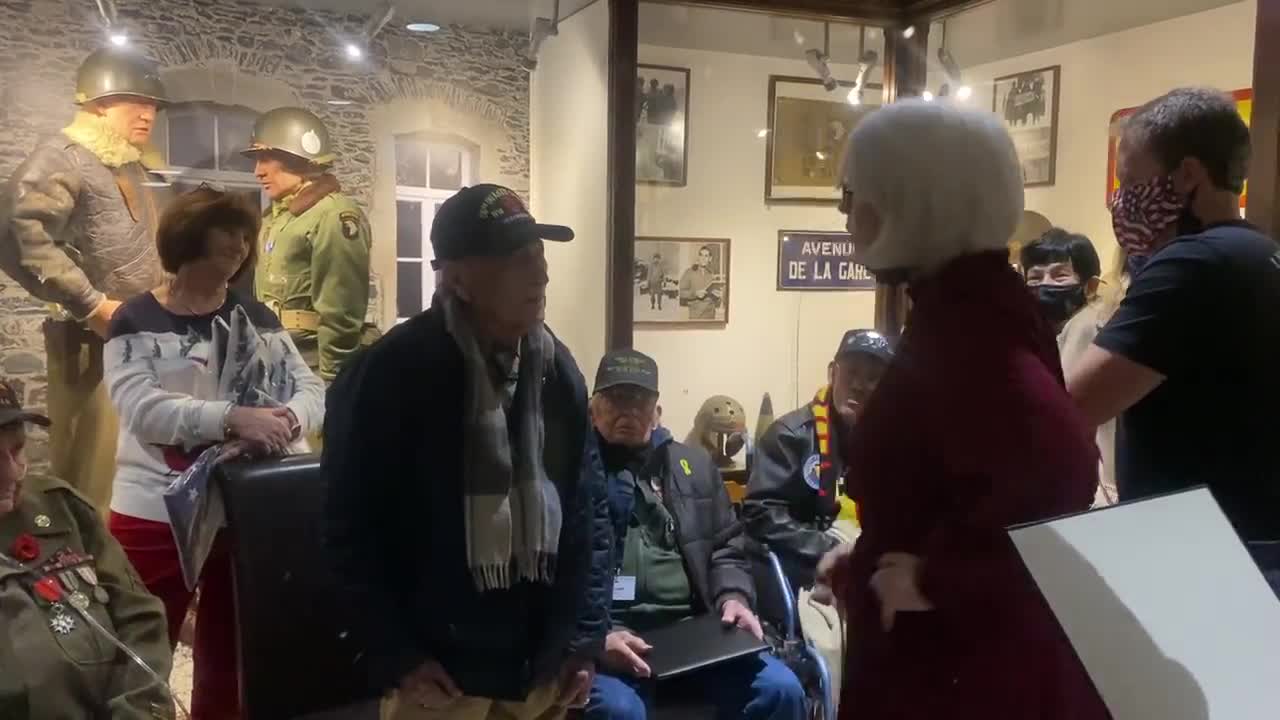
{"points": [[626, 367], [11, 408], [865, 342], [487, 221]]}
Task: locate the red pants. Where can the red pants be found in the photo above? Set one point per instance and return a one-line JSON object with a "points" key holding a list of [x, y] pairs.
{"points": [[150, 547]]}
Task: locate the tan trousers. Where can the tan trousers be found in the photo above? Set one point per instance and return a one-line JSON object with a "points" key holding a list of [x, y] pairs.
{"points": [[85, 430], [540, 705]]}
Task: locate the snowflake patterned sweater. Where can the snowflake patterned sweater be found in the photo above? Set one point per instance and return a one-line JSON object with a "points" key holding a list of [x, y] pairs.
{"points": [[155, 363]]}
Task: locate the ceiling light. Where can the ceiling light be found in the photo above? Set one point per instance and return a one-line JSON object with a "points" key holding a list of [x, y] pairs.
{"points": [[910, 32], [821, 155], [354, 52], [764, 133], [927, 96], [855, 96], [964, 92], [422, 27], [119, 39], [154, 184], [339, 103]]}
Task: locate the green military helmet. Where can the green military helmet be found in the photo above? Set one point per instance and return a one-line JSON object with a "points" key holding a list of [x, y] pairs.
{"points": [[112, 72], [294, 131]]}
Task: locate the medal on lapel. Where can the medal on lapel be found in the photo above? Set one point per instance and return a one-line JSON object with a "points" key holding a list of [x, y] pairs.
{"points": [[48, 589], [61, 623], [87, 573]]}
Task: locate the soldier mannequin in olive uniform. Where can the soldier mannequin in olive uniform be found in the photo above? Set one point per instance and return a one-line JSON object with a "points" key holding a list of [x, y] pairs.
{"points": [[53, 664], [313, 259], [77, 231]]}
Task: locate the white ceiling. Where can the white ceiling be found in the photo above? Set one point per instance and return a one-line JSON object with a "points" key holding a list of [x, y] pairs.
{"points": [[497, 14]]}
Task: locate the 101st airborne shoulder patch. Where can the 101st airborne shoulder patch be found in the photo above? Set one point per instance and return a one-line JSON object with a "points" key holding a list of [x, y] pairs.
{"points": [[350, 225]]}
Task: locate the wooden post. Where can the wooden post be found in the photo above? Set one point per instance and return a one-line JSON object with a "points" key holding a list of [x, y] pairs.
{"points": [[1264, 167], [906, 67], [624, 39]]}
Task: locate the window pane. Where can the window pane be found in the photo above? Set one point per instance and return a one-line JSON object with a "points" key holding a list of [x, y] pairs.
{"points": [[411, 163], [235, 127], [408, 288], [446, 168], [408, 229], [191, 140]]}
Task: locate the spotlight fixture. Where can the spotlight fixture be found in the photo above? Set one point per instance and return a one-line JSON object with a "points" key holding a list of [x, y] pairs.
{"points": [[866, 63], [926, 96], [119, 39], [909, 32], [354, 51], [763, 133], [339, 103], [422, 27], [542, 29], [817, 60]]}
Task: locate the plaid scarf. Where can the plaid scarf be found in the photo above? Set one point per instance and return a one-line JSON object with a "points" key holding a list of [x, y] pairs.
{"points": [[511, 508]]}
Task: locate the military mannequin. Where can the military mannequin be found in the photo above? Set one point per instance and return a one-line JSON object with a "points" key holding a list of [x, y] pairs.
{"points": [[77, 231], [313, 253]]}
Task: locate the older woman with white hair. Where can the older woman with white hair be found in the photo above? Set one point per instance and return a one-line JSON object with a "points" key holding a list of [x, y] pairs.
{"points": [[970, 431]]}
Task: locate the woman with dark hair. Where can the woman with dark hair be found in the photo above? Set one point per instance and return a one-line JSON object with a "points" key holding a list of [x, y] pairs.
{"points": [[970, 431], [155, 358]]}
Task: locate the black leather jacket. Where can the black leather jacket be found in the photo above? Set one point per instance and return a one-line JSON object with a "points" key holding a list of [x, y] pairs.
{"points": [[782, 508]]}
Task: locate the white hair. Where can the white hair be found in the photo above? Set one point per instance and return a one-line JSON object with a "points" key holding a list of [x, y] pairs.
{"points": [[945, 181]]}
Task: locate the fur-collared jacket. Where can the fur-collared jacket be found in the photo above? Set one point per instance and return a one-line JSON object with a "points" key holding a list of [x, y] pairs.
{"points": [[78, 221]]}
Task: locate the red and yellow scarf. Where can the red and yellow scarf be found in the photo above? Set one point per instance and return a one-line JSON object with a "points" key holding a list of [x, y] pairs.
{"points": [[839, 504]]}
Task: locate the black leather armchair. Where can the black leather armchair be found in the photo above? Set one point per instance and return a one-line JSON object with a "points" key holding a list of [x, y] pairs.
{"points": [[296, 658]]}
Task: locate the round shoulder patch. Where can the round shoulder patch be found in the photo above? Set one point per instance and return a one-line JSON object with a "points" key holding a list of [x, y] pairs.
{"points": [[813, 472], [350, 225]]}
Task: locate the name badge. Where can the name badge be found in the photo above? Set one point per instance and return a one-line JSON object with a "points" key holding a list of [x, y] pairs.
{"points": [[624, 588]]}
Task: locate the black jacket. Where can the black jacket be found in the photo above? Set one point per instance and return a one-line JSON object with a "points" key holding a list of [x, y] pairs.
{"points": [[782, 507], [704, 520], [396, 532]]}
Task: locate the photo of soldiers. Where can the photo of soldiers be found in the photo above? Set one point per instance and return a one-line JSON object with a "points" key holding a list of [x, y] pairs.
{"points": [[313, 254], [666, 295], [77, 231]]}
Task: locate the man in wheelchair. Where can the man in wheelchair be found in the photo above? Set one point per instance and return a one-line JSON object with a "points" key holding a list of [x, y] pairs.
{"points": [[797, 476], [672, 521]]}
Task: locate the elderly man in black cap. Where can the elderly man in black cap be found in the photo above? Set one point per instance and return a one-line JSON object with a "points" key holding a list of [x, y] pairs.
{"points": [[672, 549], [467, 514], [797, 475]]}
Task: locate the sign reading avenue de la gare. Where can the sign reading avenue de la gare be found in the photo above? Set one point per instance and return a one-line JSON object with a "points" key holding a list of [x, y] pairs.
{"points": [[813, 260]]}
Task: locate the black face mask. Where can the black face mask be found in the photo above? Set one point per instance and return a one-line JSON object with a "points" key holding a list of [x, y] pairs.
{"points": [[1059, 302]]}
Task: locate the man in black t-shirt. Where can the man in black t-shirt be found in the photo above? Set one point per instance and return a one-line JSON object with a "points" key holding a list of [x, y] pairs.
{"points": [[1190, 362]]}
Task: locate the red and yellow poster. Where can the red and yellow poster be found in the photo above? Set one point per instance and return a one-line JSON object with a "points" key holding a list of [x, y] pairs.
{"points": [[1244, 101]]}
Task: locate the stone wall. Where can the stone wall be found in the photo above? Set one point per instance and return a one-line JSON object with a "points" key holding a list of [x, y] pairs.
{"points": [[472, 75]]}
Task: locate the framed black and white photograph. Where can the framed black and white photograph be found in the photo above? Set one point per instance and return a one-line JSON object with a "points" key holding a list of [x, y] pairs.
{"points": [[1027, 103], [807, 131], [662, 125], [681, 282]]}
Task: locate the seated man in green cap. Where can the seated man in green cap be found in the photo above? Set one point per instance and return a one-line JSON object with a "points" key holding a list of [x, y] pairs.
{"points": [[64, 584]]}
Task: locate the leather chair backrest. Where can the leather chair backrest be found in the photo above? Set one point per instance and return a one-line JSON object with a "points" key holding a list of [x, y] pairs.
{"points": [[296, 657]]}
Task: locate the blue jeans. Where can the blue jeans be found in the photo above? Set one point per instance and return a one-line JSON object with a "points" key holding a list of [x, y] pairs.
{"points": [[754, 688]]}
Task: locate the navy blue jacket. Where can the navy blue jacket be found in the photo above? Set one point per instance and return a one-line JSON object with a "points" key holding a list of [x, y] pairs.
{"points": [[395, 531]]}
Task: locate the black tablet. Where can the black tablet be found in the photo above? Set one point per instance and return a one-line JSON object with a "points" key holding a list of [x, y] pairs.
{"points": [[697, 643]]}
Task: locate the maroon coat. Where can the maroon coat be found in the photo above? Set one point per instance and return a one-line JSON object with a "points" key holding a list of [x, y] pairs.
{"points": [[970, 431]]}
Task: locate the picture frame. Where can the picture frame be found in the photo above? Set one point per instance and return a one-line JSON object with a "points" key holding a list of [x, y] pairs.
{"points": [[662, 125], [1027, 104], [807, 127], [819, 261], [694, 284]]}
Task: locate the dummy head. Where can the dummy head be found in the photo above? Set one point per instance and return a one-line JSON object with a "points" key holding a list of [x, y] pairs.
{"points": [[129, 116], [925, 183]]}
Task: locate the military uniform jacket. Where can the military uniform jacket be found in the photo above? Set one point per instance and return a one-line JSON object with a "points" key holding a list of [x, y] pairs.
{"points": [[77, 224], [53, 665], [313, 271]]}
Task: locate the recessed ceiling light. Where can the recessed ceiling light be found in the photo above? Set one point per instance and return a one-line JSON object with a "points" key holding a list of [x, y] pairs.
{"points": [[340, 103], [119, 39], [422, 27], [354, 52], [927, 96], [910, 32]]}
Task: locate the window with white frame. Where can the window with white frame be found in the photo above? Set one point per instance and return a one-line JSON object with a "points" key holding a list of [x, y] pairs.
{"points": [[427, 174], [202, 143]]}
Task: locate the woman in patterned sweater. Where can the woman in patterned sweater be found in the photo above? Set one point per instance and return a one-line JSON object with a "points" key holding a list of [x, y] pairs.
{"points": [[158, 349]]}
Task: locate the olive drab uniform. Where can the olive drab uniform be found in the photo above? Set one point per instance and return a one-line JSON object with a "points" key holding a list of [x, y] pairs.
{"points": [[313, 252], [53, 664], [77, 226]]}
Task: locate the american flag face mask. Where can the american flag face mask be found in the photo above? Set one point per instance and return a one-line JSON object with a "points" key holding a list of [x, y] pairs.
{"points": [[1140, 213]]}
